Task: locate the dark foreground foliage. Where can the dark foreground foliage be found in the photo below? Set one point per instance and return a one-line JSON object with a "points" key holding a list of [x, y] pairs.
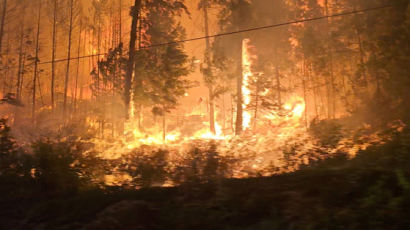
{"points": [[371, 191]]}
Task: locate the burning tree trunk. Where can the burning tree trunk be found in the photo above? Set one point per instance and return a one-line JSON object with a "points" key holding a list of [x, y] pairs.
{"points": [[131, 59], [68, 60], [36, 64], [53, 55], [3, 18], [239, 108], [243, 118]]}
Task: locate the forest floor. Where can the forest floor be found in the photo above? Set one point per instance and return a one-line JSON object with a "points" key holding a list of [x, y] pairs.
{"points": [[371, 191]]}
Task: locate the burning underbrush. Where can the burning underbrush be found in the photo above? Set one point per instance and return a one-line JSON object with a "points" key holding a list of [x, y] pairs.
{"points": [[280, 142], [284, 146]]}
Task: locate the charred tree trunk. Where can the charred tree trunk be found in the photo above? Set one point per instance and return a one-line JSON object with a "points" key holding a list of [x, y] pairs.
{"points": [[120, 26], [208, 72], [68, 60], [363, 71], [23, 64], [114, 79], [53, 55], [332, 89], [8, 82], [131, 59], [33, 111], [138, 81], [20, 59], [39, 90], [3, 18]]}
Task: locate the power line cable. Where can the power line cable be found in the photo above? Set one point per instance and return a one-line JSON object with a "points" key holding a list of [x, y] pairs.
{"points": [[270, 26]]}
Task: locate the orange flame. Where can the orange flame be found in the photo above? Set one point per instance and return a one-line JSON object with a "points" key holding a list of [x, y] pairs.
{"points": [[246, 74]]}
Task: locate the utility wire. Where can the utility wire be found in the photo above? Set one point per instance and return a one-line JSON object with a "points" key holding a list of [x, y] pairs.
{"points": [[228, 33], [270, 26]]}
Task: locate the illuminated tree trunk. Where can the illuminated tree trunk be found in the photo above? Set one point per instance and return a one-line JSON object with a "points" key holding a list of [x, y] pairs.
{"points": [[232, 105], [239, 102], [3, 18], [53, 55], [98, 52], [114, 45], [164, 128], [255, 114], [223, 113], [33, 114], [138, 80], [78, 67], [209, 70], [131, 59], [345, 96], [68, 61], [314, 87], [278, 93], [304, 91], [8, 82], [332, 89], [86, 38]]}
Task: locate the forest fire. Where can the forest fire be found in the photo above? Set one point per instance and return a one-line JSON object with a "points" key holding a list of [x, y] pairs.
{"points": [[177, 114], [284, 125], [246, 74]]}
